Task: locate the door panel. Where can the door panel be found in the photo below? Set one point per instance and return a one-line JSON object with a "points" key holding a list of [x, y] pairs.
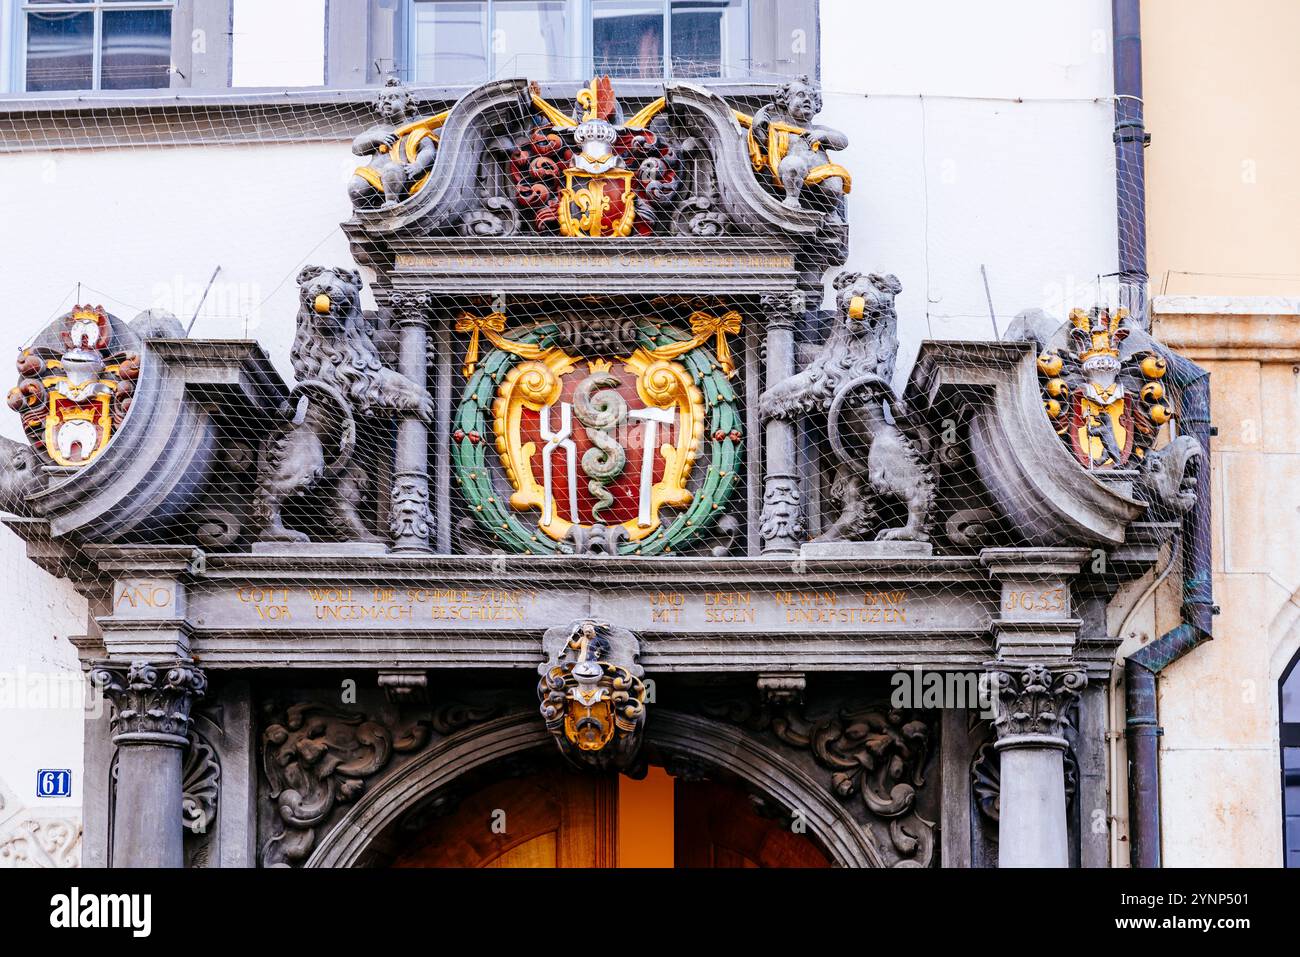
{"points": [[555, 818], [717, 826]]}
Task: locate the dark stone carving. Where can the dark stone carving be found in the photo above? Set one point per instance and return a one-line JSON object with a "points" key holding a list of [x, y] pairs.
{"points": [[1033, 699], [593, 699], [1168, 477], [986, 779], [849, 381], [971, 527], [317, 757], [875, 753], [217, 527], [699, 216], [409, 515], [786, 146], [399, 153], [496, 216], [598, 539], [19, 475], [151, 701], [341, 380], [781, 522], [200, 785]]}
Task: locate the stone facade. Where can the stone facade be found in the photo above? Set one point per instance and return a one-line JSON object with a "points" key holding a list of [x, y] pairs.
{"points": [[600, 430]]}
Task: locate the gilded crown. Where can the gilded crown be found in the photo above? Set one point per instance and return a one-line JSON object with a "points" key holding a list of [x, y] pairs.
{"points": [[1097, 333]]}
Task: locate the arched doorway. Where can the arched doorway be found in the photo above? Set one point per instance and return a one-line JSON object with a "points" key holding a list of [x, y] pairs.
{"points": [[559, 817], [750, 780]]}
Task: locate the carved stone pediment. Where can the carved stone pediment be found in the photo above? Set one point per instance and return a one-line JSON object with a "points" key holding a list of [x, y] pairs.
{"points": [[687, 163]]}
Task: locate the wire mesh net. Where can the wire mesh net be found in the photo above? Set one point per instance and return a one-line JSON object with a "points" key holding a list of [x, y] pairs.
{"points": [[533, 410]]}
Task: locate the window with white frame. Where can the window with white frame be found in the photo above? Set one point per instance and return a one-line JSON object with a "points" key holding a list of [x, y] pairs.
{"points": [[95, 44], [458, 42]]}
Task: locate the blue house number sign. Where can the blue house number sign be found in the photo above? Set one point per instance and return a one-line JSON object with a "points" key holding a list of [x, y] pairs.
{"points": [[53, 783]]}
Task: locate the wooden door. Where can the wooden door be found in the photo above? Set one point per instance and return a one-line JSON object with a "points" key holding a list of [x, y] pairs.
{"points": [[716, 825], [555, 818]]}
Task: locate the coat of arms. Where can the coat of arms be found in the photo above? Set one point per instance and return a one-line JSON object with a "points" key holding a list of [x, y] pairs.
{"points": [[1108, 404], [74, 396], [557, 450]]}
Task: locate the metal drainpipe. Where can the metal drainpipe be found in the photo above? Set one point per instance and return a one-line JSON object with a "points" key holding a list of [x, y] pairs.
{"points": [[1131, 138], [1142, 729]]}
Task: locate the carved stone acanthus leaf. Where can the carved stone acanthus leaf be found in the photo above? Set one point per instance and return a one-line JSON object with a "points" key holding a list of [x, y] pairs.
{"points": [[986, 779], [876, 753], [317, 757], [200, 785], [151, 699], [1033, 699]]}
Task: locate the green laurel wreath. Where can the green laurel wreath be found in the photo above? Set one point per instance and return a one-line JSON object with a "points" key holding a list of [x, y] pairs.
{"points": [[473, 473]]}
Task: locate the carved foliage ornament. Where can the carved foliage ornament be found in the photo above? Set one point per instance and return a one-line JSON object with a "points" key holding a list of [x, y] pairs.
{"points": [[73, 399], [876, 754], [151, 701], [592, 695], [598, 448], [317, 757], [1033, 699]]}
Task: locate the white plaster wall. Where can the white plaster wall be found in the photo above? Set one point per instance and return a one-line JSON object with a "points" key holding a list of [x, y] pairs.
{"points": [[944, 181]]}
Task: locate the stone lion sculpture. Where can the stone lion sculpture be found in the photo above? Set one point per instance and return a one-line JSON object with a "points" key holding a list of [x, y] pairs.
{"points": [[848, 382], [341, 382]]}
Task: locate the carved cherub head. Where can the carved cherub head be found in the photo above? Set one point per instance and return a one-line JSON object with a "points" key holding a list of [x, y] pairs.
{"points": [[800, 99], [393, 102]]}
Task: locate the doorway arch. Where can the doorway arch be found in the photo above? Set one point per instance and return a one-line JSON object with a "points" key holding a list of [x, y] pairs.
{"points": [[711, 743]]}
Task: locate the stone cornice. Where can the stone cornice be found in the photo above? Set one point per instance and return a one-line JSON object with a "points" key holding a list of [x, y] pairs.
{"points": [[35, 122], [1251, 328]]}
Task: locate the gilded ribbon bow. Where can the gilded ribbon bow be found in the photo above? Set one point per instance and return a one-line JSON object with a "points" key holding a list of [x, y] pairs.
{"points": [[491, 326], [704, 325]]}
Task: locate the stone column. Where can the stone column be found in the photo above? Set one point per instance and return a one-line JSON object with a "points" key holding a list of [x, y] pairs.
{"points": [[1035, 682], [1031, 703], [151, 723], [410, 520], [781, 524]]}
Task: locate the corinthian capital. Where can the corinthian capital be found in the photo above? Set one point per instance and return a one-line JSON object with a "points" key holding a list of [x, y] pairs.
{"points": [[151, 701], [1033, 699], [411, 308]]}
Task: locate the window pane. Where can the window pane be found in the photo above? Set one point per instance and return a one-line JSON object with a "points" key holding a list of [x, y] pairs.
{"points": [[530, 39], [137, 50], [1291, 763], [60, 52], [710, 39], [628, 38], [450, 42]]}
